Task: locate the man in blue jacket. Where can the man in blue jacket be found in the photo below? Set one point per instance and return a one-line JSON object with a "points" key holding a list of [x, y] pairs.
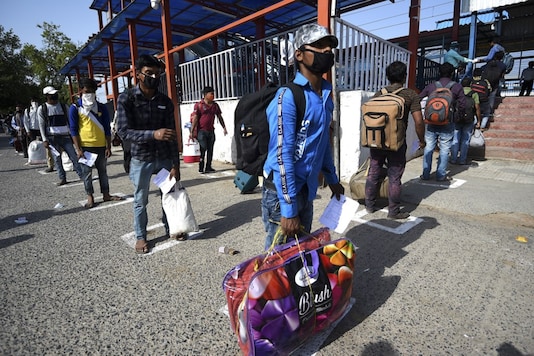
{"points": [[298, 152]]}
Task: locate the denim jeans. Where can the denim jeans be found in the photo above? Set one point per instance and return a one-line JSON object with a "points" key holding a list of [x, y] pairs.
{"points": [[206, 139], [65, 142], [491, 97], [434, 133], [396, 162], [140, 174], [101, 167], [460, 142], [485, 112], [270, 211]]}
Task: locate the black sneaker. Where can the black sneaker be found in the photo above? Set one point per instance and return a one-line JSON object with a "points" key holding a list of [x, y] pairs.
{"points": [[209, 170], [370, 210], [399, 216], [60, 183]]}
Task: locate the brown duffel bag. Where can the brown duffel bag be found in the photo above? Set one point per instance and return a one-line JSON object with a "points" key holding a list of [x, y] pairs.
{"points": [[357, 182]]}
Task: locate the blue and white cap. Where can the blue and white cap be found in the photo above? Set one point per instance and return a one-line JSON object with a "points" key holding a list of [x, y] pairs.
{"points": [[311, 33]]}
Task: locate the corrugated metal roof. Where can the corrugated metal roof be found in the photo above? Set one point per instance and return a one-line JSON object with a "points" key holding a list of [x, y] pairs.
{"points": [[189, 19]]}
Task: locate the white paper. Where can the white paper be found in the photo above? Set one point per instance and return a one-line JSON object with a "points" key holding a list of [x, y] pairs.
{"points": [[162, 181], [88, 158], [339, 213], [54, 151]]}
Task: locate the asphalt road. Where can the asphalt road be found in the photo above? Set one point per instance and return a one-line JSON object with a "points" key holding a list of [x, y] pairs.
{"points": [[457, 279]]}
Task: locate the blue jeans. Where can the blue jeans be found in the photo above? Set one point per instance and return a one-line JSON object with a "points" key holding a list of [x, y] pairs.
{"points": [[460, 142], [396, 163], [434, 133], [270, 211], [65, 142], [485, 112], [101, 167], [140, 174]]}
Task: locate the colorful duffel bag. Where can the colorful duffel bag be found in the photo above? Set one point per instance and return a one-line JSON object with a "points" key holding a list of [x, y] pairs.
{"points": [[275, 303]]}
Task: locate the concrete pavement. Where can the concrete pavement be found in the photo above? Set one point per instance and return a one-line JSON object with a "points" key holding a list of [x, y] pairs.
{"points": [[457, 281]]}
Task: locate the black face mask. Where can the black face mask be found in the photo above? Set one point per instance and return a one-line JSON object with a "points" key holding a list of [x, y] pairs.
{"points": [[151, 83], [322, 62], [54, 96]]}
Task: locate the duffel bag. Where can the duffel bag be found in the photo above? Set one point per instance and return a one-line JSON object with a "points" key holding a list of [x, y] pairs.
{"points": [[279, 299]]}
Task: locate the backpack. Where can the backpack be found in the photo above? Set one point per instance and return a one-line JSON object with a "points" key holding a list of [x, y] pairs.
{"points": [[439, 107], [508, 60], [481, 87], [252, 127], [469, 116], [493, 73], [382, 119]]}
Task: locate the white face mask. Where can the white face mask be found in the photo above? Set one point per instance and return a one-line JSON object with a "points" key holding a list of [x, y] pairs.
{"points": [[88, 99], [34, 104]]}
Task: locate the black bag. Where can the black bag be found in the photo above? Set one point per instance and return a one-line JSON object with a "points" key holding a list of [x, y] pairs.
{"points": [[481, 86], [508, 60], [470, 110], [252, 127], [493, 73]]}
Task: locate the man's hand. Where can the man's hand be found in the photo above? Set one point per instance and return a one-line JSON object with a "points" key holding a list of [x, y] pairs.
{"points": [[290, 226], [165, 134], [175, 172], [224, 131], [337, 190], [108, 152]]}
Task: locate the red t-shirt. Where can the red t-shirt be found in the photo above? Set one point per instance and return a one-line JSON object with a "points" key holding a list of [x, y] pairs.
{"points": [[206, 114]]}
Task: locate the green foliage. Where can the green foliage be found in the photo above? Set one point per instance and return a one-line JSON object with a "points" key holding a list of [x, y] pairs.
{"points": [[26, 70]]}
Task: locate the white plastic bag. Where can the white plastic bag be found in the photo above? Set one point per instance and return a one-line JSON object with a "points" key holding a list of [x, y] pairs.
{"points": [[36, 152], [177, 207], [477, 139], [67, 163]]}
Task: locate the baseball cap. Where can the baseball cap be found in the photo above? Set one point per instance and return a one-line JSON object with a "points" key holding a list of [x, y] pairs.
{"points": [[49, 90], [454, 44], [311, 33]]}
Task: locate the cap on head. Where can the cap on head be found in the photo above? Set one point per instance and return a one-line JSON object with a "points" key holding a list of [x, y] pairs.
{"points": [[454, 44], [311, 33], [49, 90]]}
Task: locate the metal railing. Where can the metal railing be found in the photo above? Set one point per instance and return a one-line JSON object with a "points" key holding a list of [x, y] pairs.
{"points": [[361, 59]]}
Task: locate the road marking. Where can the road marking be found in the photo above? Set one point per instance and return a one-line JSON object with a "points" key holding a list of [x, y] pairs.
{"points": [[411, 222], [455, 183], [109, 204], [130, 239]]}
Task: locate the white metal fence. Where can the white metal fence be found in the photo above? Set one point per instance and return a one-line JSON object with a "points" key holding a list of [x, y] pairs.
{"points": [[361, 59]]}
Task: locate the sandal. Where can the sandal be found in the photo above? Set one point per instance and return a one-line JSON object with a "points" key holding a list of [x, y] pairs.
{"points": [[178, 237], [141, 247]]}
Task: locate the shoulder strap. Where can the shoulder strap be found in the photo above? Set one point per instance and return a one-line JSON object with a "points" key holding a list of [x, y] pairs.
{"points": [[398, 90], [450, 84], [44, 110], [470, 94], [300, 101], [438, 84]]}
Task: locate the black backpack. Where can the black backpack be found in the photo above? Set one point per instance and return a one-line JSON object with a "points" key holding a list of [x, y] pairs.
{"points": [[481, 86], [493, 73], [251, 130], [470, 110]]}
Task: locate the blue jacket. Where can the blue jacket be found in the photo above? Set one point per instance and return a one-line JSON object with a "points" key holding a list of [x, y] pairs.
{"points": [[301, 156]]}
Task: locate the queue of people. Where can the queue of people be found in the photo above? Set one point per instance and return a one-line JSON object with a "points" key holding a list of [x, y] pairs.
{"points": [[145, 119]]}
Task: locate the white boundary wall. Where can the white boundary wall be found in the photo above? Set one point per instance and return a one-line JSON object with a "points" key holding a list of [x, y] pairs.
{"points": [[351, 154]]}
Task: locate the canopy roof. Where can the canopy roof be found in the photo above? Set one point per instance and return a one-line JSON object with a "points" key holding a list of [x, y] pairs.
{"points": [[189, 19]]}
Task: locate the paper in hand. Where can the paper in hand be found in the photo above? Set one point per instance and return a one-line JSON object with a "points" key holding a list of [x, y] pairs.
{"points": [[88, 158], [339, 213], [162, 181]]}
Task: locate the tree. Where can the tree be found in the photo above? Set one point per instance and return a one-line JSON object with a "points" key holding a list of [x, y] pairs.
{"points": [[15, 83], [46, 63]]}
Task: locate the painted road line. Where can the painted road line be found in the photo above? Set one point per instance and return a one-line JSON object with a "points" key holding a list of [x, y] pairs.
{"points": [[108, 204], [411, 221], [130, 240], [455, 183]]}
